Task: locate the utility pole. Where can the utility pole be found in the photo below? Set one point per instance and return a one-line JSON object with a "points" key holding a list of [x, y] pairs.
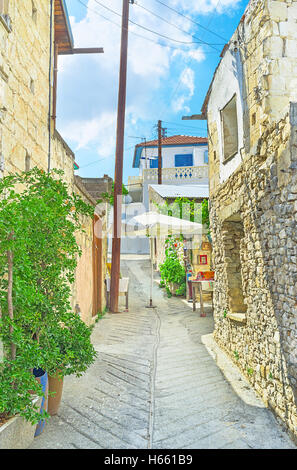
{"points": [[118, 180], [159, 152]]}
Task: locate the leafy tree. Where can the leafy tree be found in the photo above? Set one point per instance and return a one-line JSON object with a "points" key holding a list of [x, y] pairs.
{"points": [[109, 196], [39, 220], [188, 209]]}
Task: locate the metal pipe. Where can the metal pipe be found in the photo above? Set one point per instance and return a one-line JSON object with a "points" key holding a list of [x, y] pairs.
{"points": [[50, 88]]}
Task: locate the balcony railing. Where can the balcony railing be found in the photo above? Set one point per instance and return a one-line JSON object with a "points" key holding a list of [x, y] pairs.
{"points": [[183, 174]]}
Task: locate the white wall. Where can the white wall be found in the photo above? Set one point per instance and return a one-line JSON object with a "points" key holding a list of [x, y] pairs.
{"points": [[131, 245], [227, 82], [168, 155]]}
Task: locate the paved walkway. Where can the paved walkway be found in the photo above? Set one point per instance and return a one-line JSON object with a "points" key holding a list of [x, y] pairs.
{"points": [[157, 384]]}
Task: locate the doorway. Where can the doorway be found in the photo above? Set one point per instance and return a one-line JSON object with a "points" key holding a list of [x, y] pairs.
{"points": [[97, 266]]}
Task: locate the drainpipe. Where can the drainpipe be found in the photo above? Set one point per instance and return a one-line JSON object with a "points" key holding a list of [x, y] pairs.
{"points": [[50, 88], [2, 165]]}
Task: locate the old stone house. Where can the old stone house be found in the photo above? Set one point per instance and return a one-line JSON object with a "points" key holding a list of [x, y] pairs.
{"points": [[32, 35], [251, 109]]}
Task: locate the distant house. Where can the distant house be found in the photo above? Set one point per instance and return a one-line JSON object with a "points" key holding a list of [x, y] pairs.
{"points": [[184, 161]]}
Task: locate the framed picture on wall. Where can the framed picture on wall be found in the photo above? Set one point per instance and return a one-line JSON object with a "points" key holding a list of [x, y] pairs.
{"points": [[203, 259]]}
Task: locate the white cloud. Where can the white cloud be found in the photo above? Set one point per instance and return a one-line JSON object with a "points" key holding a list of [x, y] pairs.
{"points": [[100, 130], [89, 84], [187, 80], [187, 86], [205, 6]]}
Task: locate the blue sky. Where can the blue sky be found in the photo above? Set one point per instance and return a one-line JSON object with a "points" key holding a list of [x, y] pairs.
{"points": [[163, 82]]}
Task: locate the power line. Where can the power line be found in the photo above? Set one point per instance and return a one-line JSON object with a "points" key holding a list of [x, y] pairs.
{"points": [[191, 19], [180, 29], [178, 130], [92, 163], [177, 124], [144, 27], [132, 32], [191, 134], [135, 137], [192, 58]]}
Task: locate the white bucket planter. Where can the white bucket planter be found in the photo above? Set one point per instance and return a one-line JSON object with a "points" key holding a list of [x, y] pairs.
{"points": [[17, 433]]}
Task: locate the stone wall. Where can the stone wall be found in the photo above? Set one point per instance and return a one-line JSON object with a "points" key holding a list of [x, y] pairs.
{"points": [[254, 206], [84, 285], [97, 186], [24, 80]]}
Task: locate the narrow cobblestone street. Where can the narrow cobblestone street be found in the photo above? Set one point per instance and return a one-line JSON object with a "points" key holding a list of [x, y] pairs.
{"points": [[157, 384]]}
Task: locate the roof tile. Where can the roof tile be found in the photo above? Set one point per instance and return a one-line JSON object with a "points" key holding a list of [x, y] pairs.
{"points": [[176, 140]]}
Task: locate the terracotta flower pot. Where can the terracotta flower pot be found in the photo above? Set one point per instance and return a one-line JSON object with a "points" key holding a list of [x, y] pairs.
{"points": [[55, 386]]}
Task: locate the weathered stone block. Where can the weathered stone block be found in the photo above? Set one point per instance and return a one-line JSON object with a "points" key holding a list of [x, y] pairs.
{"points": [[291, 47], [273, 47], [278, 11]]}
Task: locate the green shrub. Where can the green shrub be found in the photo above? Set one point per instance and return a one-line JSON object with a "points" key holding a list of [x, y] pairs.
{"points": [[39, 220], [172, 271]]}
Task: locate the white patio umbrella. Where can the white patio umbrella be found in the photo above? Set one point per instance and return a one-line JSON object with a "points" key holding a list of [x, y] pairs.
{"points": [[152, 224]]}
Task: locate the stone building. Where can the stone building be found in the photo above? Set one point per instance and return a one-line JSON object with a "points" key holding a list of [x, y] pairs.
{"points": [[32, 35], [97, 186], [251, 109]]}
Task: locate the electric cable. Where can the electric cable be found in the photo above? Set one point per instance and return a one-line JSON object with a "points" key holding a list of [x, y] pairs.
{"points": [[180, 29], [136, 34], [191, 19]]}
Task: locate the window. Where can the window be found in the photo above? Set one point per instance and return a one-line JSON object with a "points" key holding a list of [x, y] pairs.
{"points": [[206, 156], [32, 86], [154, 163], [203, 259], [34, 12], [4, 14], [27, 162], [230, 129], [184, 160]]}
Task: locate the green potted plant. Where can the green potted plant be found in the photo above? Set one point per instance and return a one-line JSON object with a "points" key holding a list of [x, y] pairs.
{"points": [[173, 274], [72, 354], [39, 220]]}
